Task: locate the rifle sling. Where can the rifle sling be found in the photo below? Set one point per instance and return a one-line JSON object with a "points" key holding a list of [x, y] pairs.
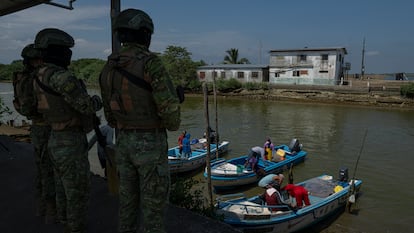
{"points": [[46, 88], [135, 79]]}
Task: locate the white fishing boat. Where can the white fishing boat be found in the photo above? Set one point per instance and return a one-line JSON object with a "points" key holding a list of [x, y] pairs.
{"points": [[327, 195], [178, 163]]}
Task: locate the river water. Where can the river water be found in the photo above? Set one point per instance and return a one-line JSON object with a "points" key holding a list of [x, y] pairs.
{"points": [[332, 135]]}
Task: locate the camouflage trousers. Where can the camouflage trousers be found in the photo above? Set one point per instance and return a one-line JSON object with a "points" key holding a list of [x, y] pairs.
{"points": [[144, 181], [69, 155], [44, 178]]}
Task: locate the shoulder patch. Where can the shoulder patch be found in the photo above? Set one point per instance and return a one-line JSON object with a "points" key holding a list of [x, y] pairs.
{"points": [[69, 87]]}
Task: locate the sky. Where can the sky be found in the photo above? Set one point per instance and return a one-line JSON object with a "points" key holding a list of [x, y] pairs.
{"points": [[207, 29]]}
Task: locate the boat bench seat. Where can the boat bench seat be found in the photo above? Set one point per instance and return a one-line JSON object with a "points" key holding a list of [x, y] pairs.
{"points": [[247, 207]]}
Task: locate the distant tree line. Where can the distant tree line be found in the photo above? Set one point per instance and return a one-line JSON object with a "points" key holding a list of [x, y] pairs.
{"points": [[177, 60]]}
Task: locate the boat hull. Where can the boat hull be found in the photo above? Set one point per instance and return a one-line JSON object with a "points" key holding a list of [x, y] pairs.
{"points": [[197, 160], [259, 219], [229, 178]]}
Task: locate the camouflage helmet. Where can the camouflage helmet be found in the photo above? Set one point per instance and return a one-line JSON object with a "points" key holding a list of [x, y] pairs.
{"points": [[53, 36], [31, 52], [133, 19]]}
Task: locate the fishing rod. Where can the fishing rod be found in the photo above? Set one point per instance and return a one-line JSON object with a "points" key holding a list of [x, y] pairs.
{"points": [[352, 190]]}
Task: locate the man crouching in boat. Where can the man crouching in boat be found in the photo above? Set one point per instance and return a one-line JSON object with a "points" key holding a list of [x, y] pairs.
{"points": [[272, 195], [252, 160]]}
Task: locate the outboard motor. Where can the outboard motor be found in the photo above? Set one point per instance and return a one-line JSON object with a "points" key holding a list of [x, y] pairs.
{"points": [[295, 146], [343, 174]]}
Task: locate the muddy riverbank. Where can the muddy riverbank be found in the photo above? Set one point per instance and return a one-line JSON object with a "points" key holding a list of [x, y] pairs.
{"points": [[382, 95]]}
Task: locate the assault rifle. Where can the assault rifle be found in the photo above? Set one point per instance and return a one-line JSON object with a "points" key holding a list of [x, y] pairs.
{"points": [[111, 170], [101, 139]]}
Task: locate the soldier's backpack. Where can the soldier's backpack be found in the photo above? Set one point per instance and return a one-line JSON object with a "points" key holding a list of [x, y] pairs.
{"points": [[24, 99]]}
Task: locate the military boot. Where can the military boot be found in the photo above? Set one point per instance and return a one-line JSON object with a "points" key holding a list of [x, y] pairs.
{"points": [[39, 207], [67, 229], [50, 216]]}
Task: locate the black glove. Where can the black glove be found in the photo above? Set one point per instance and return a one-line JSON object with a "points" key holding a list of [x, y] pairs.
{"points": [[97, 103]]}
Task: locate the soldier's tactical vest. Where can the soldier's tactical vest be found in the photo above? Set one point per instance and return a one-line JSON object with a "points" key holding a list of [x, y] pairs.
{"points": [[51, 104], [132, 104], [24, 101]]}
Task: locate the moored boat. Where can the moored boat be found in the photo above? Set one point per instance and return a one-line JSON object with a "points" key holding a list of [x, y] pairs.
{"points": [[327, 196], [231, 173], [179, 164]]}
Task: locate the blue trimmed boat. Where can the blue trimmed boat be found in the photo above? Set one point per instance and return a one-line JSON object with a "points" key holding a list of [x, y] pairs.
{"points": [[230, 174], [179, 164], [327, 197]]}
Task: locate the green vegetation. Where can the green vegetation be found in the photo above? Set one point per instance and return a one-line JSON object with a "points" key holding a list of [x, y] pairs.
{"points": [[182, 69], [232, 57], [407, 90], [177, 61], [87, 69], [185, 194], [229, 85], [6, 71], [255, 86]]}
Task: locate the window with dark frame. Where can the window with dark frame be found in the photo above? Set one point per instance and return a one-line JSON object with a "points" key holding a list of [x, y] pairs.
{"points": [[202, 75], [222, 74], [302, 58], [255, 74], [296, 73], [324, 57], [240, 74]]}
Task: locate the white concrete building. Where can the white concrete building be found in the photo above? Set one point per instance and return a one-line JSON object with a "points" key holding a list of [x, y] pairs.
{"points": [[242, 72], [311, 66]]}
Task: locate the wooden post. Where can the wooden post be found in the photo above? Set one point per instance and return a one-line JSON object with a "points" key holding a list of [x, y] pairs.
{"points": [[115, 9], [215, 106], [208, 166]]}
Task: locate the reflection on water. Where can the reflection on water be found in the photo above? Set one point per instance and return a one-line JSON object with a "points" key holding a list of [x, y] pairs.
{"points": [[332, 136]]}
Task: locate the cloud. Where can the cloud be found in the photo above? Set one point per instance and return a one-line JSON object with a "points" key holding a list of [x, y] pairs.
{"points": [[19, 29], [372, 53], [210, 46]]}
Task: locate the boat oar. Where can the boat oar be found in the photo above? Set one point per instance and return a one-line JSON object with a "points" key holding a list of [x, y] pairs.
{"points": [[352, 188]]}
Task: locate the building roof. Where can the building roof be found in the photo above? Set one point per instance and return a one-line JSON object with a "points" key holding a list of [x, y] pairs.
{"points": [[11, 6], [234, 66], [309, 50]]}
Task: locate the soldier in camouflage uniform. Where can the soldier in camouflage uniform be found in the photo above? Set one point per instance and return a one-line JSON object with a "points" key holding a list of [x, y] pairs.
{"points": [[67, 107], [24, 103], [140, 101]]}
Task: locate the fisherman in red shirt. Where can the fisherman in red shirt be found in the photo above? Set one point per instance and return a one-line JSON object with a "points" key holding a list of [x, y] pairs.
{"points": [[299, 193], [180, 141]]}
